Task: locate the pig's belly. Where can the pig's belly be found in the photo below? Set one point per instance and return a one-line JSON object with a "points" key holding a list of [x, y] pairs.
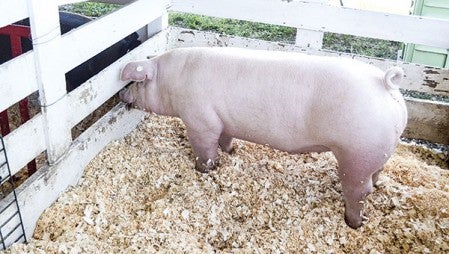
{"points": [[299, 148], [282, 141], [315, 148]]}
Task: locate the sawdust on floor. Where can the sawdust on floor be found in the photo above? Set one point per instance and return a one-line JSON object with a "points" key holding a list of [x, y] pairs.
{"points": [[142, 194]]}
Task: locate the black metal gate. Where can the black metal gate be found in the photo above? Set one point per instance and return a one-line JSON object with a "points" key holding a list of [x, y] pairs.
{"points": [[11, 226]]}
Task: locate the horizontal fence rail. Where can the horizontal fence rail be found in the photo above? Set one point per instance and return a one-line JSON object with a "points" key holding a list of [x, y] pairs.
{"points": [[326, 18], [79, 40], [18, 72], [12, 11], [15, 10], [21, 70]]}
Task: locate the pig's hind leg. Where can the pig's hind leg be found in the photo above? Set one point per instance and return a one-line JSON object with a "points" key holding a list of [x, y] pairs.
{"points": [[225, 142], [375, 177], [357, 171]]}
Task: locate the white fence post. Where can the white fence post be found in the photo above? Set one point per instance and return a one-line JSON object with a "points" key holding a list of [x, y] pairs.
{"points": [[45, 30], [309, 38], [158, 25]]}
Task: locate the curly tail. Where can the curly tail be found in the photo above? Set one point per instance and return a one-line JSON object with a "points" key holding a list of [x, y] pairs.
{"points": [[393, 77]]}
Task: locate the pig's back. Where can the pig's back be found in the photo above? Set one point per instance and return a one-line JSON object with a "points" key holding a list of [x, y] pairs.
{"points": [[283, 99]]}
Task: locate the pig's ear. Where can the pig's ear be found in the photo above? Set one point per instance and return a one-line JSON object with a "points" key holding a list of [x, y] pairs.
{"points": [[138, 71]]}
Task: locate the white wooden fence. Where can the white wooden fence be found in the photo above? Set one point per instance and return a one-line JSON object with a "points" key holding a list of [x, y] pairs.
{"points": [[43, 70]]}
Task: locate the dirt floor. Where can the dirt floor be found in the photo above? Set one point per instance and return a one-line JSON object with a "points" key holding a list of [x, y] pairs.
{"points": [[142, 195]]}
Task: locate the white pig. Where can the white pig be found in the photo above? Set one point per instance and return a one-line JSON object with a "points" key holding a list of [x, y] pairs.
{"points": [[289, 101]]}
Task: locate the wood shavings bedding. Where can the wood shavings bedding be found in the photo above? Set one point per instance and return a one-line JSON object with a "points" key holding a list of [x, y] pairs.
{"points": [[142, 194]]}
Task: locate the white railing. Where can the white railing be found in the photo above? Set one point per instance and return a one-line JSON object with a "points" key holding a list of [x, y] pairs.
{"points": [[326, 18], [43, 70]]}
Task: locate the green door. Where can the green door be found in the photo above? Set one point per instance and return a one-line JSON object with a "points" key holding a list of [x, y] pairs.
{"points": [[431, 56]]}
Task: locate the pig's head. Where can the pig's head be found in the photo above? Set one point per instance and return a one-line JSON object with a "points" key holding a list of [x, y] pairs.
{"points": [[136, 94], [138, 71]]}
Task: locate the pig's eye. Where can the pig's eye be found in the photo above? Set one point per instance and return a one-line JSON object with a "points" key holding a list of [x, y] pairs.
{"points": [[139, 68]]}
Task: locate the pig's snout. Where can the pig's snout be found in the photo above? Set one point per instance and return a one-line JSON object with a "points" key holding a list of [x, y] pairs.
{"points": [[126, 96]]}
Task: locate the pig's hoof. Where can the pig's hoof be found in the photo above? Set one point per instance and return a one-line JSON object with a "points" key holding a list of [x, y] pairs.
{"points": [[353, 224], [227, 149], [202, 170], [231, 150], [205, 167]]}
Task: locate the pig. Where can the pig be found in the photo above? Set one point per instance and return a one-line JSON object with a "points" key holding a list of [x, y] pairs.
{"points": [[289, 101]]}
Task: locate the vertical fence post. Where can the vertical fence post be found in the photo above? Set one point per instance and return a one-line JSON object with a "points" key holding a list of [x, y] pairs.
{"points": [[310, 38], [158, 25], [45, 30]]}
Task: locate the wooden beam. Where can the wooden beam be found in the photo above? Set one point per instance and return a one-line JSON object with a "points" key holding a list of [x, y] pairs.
{"points": [[310, 38], [12, 11], [63, 2], [326, 18], [18, 79], [45, 30], [25, 143], [80, 42], [428, 120]]}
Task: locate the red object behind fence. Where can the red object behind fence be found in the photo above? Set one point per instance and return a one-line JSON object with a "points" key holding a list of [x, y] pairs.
{"points": [[16, 33]]}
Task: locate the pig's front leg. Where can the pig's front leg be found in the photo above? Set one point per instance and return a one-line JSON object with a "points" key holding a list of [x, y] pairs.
{"points": [[204, 132], [204, 147]]}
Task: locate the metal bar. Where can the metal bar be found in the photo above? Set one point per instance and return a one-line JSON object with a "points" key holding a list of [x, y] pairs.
{"points": [[22, 235], [6, 207], [22, 31], [3, 239], [32, 167], [12, 231], [24, 112], [4, 123], [20, 215], [16, 44], [13, 192], [9, 219]]}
